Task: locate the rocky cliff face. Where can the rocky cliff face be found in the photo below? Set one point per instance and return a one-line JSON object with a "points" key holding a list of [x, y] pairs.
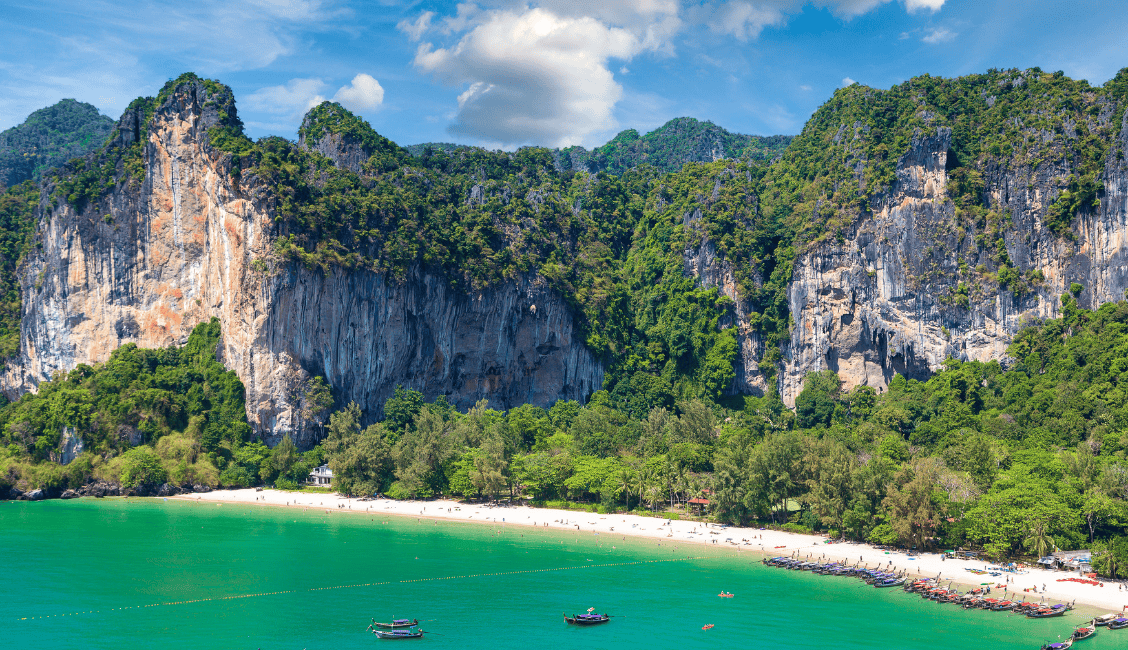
{"points": [[149, 261], [887, 299]]}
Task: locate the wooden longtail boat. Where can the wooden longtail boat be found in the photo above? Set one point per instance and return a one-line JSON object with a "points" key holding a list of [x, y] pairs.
{"points": [[587, 619], [1049, 612], [399, 623], [1106, 619], [398, 634], [1086, 631], [1058, 646], [1118, 623]]}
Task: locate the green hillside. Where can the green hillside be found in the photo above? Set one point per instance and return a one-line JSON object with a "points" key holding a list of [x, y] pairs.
{"points": [[667, 148], [672, 145], [48, 138]]}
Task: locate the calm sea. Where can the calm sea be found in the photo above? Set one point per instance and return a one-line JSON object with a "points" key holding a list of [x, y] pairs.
{"points": [[168, 574]]}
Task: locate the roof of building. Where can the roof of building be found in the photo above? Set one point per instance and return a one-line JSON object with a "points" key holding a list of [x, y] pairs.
{"points": [[1069, 555], [704, 502], [322, 471]]}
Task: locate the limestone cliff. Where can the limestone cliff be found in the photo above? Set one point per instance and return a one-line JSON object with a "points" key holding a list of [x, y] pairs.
{"points": [[870, 242], [944, 257], [191, 240], [887, 299]]}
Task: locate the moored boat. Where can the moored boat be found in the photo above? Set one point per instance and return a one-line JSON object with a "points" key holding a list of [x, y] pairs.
{"points": [[587, 619], [1085, 631], [398, 634], [1105, 619], [1058, 646], [396, 624], [1118, 623], [1049, 612]]}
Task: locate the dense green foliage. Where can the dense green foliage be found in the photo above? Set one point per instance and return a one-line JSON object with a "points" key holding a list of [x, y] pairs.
{"points": [[668, 148], [847, 153], [447, 147], [17, 222], [612, 245], [1017, 462], [672, 145], [180, 404], [48, 138]]}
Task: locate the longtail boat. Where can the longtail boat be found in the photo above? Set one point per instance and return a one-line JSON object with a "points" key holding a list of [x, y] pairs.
{"points": [[396, 624], [1105, 619], [1086, 631], [1049, 612], [1058, 646], [398, 634], [587, 619], [1118, 623]]}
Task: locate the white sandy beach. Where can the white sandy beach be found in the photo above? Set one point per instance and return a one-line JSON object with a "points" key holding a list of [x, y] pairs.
{"points": [[758, 542]]}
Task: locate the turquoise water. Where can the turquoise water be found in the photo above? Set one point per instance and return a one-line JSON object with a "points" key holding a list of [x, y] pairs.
{"points": [[117, 574]]}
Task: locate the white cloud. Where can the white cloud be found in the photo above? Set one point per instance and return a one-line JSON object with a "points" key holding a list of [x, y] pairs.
{"points": [[292, 99], [107, 53], [853, 8], [804, 87], [415, 29], [913, 6], [743, 20], [535, 76], [847, 81], [541, 71], [215, 34], [362, 94], [939, 35]]}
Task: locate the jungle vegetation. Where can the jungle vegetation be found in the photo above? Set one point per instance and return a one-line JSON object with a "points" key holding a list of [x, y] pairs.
{"points": [[1012, 460]]}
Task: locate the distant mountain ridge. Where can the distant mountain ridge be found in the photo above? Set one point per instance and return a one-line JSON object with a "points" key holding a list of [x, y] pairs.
{"points": [[668, 148], [48, 138]]}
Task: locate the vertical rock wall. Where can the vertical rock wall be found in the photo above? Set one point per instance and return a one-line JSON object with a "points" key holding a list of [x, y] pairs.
{"points": [[153, 259], [884, 301]]}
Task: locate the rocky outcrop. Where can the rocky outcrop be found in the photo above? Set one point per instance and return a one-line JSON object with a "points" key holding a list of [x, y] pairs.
{"points": [[193, 241], [888, 299], [711, 270], [346, 152]]}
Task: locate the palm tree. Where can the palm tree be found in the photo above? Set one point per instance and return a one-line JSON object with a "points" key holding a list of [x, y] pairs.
{"points": [[1038, 540], [642, 481], [626, 481]]}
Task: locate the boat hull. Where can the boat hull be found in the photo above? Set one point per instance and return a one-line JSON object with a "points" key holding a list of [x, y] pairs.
{"points": [[396, 625], [397, 634], [586, 621]]}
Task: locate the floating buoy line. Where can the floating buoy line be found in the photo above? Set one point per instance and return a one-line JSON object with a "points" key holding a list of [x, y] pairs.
{"points": [[358, 586]]}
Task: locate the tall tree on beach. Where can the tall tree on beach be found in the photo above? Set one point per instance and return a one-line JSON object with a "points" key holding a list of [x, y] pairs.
{"points": [[911, 505], [833, 480]]}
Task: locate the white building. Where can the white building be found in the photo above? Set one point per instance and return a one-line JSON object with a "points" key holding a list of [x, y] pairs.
{"points": [[322, 476]]}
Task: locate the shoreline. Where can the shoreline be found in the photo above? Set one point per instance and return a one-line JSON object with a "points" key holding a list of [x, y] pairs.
{"points": [[762, 543]]}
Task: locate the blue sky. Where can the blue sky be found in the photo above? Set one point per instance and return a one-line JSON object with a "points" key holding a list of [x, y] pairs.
{"points": [[549, 72]]}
